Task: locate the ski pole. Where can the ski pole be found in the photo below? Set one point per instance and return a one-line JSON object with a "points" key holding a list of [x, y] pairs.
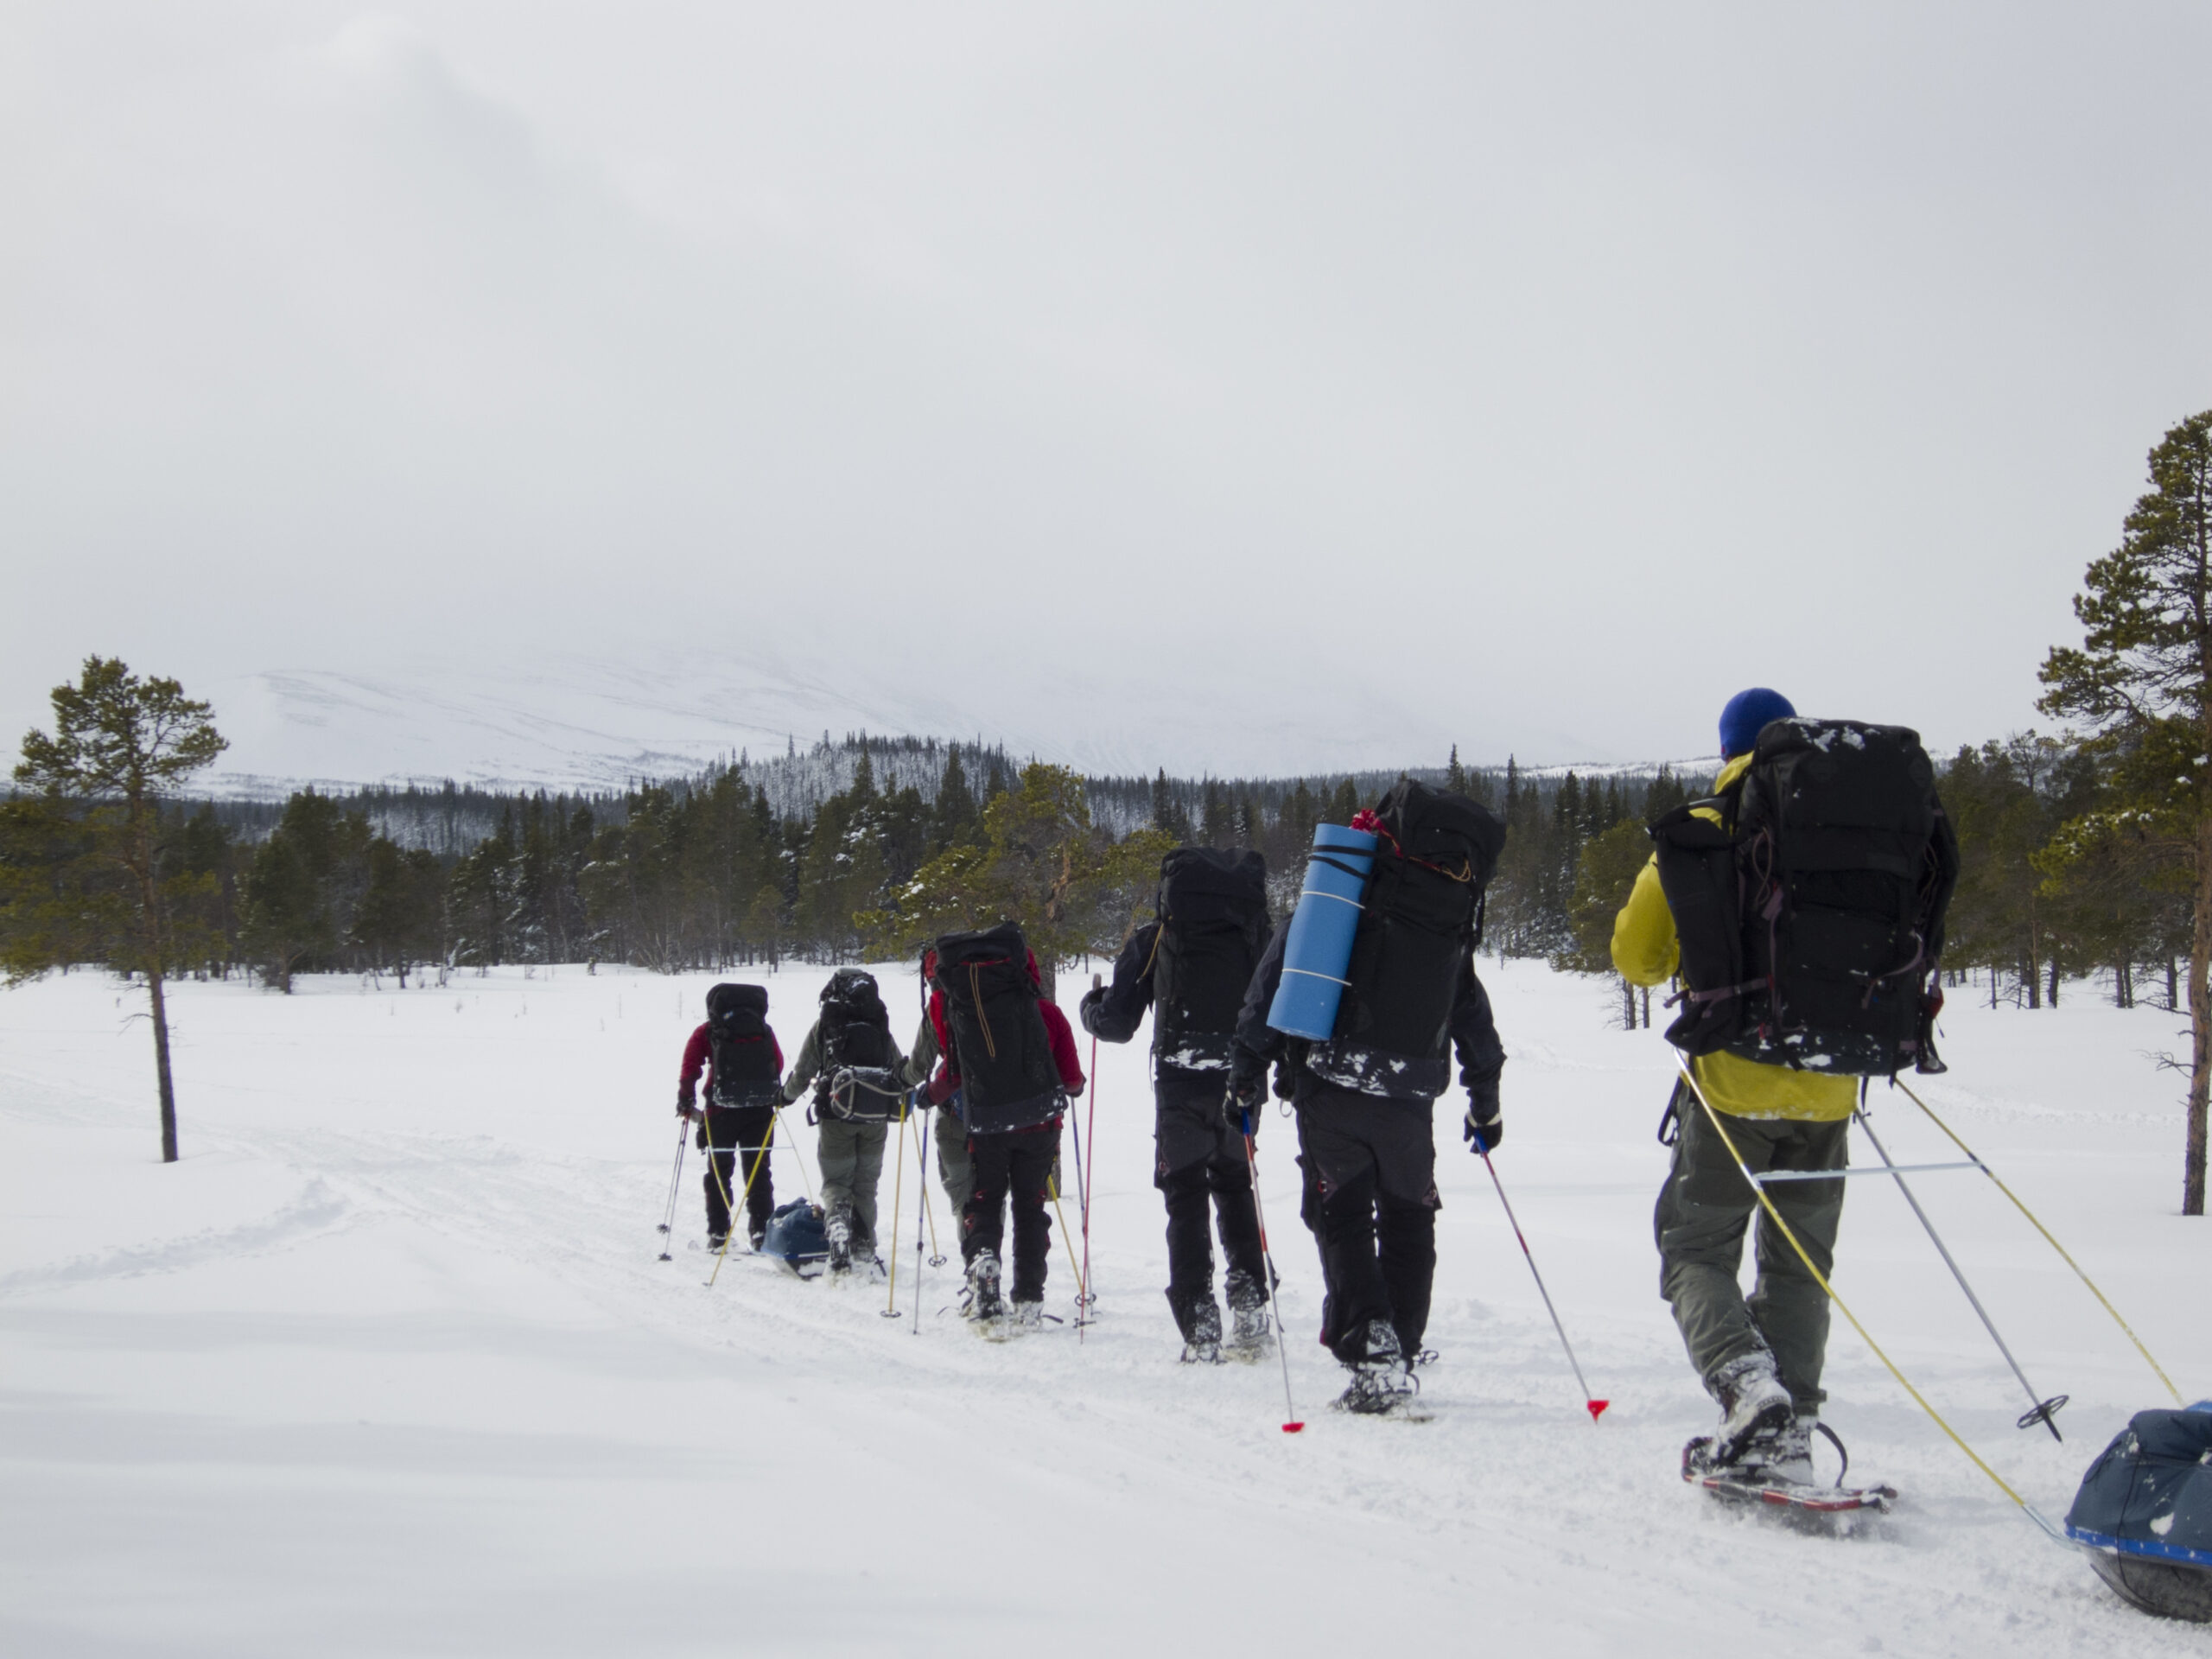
{"points": [[2048, 1239], [1291, 1424], [1083, 1216], [1090, 1126], [1068, 1239], [1590, 1403], [929, 1212], [898, 1192], [675, 1185], [1790, 1237], [2040, 1410], [921, 1178]]}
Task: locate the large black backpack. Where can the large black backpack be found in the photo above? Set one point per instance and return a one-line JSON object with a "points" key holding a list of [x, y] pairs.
{"points": [[745, 1074], [1008, 1079], [1811, 915], [1213, 930], [1419, 920], [856, 1027], [855, 1037]]}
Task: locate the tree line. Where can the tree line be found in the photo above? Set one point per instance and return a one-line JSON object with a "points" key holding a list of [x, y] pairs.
{"points": [[2080, 854]]}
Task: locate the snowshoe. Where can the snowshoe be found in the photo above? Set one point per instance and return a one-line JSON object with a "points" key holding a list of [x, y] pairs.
{"points": [[1757, 1478], [837, 1228], [1753, 1404]]}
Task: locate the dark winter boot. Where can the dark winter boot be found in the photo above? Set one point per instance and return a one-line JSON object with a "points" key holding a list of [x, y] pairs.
{"points": [[838, 1226], [1754, 1405], [1249, 1324], [983, 1301], [1201, 1326], [1381, 1382]]}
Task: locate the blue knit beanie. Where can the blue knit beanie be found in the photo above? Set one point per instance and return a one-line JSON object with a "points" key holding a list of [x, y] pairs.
{"points": [[1747, 712]]}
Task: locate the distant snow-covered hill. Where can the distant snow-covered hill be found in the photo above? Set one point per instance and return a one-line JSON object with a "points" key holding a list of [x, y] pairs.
{"points": [[576, 722]]}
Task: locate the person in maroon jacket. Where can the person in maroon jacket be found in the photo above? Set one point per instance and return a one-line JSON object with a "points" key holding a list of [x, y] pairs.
{"points": [[744, 1066], [1015, 1162]]}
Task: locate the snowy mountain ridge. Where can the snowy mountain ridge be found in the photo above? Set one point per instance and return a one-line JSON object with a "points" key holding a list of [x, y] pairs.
{"points": [[590, 723]]}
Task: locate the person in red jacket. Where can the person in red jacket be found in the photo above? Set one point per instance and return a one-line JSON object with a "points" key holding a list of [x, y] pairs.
{"points": [[744, 1066], [1014, 1161]]}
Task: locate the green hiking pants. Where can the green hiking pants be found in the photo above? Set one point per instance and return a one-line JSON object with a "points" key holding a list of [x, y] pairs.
{"points": [[852, 1163], [955, 1167], [1703, 1211]]}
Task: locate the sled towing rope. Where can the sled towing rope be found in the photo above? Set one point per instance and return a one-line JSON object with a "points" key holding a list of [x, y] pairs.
{"points": [[760, 1157], [1977, 1164], [2056, 1532]]}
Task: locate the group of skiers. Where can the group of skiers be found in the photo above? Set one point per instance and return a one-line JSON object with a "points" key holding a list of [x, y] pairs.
{"points": [[1800, 907]]}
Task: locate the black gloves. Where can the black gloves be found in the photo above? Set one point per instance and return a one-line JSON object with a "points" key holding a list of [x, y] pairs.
{"points": [[1248, 1088], [686, 1106], [1087, 1010], [1486, 1126]]}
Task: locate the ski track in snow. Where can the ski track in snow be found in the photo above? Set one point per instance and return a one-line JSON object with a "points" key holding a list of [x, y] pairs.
{"points": [[388, 1364]]}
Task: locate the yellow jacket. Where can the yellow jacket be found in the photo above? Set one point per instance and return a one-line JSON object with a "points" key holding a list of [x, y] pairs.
{"points": [[1647, 952]]}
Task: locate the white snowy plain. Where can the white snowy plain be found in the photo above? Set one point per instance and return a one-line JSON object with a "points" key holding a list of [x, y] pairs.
{"points": [[387, 1363]]}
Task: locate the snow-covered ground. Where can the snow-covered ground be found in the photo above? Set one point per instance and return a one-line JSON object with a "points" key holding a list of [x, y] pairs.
{"points": [[387, 1365]]}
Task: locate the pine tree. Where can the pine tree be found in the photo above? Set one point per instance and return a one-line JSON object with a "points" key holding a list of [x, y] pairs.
{"points": [[2142, 680], [87, 868]]}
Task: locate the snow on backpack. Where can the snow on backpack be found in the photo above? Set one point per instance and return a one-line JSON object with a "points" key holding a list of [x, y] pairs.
{"points": [[1809, 898], [746, 1072], [2144, 1513], [855, 1034], [1213, 930], [1420, 921], [1008, 1079]]}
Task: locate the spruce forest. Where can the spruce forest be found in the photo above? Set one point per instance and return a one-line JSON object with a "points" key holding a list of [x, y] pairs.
{"points": [[863, 848]]}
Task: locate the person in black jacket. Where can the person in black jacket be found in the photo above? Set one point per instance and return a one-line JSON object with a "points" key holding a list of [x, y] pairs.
{"points": [[1367, 1149], [1199, 1160]]}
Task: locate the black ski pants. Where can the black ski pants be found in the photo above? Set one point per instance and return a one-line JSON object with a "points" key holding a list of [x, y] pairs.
{"points": [[1017, 1164], [1199, 1166], [736, 1138], [1370, 1202]]}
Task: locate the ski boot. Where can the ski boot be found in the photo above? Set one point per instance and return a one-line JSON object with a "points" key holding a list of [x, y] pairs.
{"points": [[1249, 1324], [1201, 1325], [1381, 1384], [838, 1230], [984, 1304]]}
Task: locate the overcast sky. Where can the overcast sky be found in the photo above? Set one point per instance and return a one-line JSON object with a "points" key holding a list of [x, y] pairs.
{"points": [[1250, 381]]}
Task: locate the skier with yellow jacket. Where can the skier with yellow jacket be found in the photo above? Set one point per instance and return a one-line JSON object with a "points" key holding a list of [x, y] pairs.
{"points": [[1759, 1356]]}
